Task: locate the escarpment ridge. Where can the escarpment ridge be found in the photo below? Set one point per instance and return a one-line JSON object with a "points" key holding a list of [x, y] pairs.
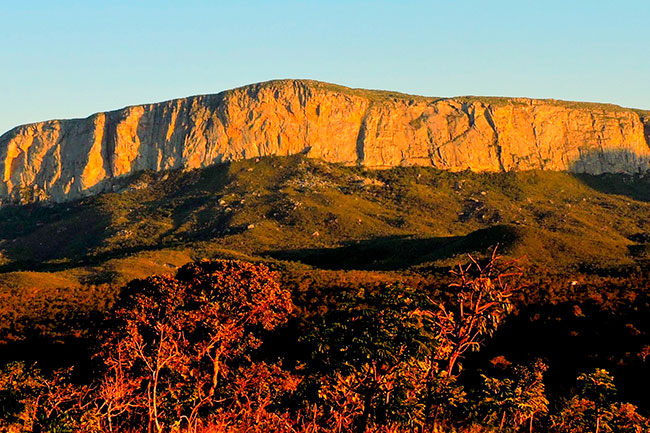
{"points": [[66, 159]]}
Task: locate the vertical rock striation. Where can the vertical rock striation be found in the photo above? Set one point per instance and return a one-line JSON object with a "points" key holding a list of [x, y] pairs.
{"points": [[67, 159]]}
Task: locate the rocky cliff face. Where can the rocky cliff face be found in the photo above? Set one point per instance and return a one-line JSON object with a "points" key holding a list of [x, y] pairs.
{"points": [[66, 159]]}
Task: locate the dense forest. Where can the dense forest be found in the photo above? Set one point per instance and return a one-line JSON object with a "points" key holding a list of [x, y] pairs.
{"points": [[228, 345]]}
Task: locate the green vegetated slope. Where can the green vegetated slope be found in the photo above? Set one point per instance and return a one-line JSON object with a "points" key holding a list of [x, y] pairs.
{"points": [[328, 216], [304, 215]]}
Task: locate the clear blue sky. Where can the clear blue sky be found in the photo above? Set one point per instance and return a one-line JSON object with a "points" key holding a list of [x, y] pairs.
{"points": [[61, 59]]}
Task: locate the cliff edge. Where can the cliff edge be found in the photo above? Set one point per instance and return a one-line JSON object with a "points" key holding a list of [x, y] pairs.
{"points": [[66, 159]]}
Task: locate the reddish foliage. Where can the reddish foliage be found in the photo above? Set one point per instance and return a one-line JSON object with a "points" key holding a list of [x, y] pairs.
{"points": [[181, 348]]}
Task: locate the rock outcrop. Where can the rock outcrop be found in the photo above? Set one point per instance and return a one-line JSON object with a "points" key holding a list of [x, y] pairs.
{"points": [[67, 159]]}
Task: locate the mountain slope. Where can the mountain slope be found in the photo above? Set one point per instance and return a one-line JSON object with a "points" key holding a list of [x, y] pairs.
{"points": [[330, 216], [325, 226], [67, 159]]}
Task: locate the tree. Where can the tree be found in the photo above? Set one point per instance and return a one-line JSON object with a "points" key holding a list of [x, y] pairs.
{"points": [[182, 348], [516, 398], [388, 355], [21, 390], [374, 351], [594, 407], [482, 301], [598, 388], [32, 401]]}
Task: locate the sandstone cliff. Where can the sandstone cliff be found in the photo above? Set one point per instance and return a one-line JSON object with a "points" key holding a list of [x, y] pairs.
{"points": [[66, 159]]}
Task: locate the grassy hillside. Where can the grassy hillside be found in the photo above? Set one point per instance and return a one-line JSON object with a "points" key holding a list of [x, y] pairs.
{"points": [[304, 215], [309, 211]]}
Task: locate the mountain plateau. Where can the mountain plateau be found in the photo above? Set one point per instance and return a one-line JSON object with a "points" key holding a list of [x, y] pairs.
{"points": [[60, 160]]}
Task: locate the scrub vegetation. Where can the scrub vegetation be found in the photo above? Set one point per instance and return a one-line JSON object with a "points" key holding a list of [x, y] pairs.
{"points": [[288, 294]]}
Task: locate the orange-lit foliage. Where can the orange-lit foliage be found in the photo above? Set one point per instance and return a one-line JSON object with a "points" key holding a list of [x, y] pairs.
{"points": [[482, 302], [181, 354], [31, 401], [515, 397], [594, 407], [181, 348]]}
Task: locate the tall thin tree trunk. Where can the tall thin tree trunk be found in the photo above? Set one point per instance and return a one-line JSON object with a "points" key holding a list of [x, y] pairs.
{"points": [[452, 361], [155, 402], [365, 416], [435, 418], [428, 403]]}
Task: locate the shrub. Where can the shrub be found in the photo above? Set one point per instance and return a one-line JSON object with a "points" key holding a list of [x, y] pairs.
{"points": [[181, 349], [374, 352]]}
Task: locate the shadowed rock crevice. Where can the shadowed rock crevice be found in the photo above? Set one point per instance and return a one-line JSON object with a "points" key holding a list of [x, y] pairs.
{"points": [[646, 127], [361, 137]]}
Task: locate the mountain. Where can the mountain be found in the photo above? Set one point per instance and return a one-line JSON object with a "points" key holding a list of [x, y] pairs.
{"points": [[60, 160], [557, 182]]}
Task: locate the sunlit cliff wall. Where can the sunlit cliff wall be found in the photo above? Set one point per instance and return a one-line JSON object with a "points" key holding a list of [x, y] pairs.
{"points": [[66, 159]]}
